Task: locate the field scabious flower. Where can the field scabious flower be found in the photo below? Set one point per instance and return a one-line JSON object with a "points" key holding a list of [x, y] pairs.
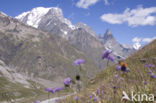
{"points": [[94, 99], [115, 75], [98, 91], [150, 72], [90, 96], [153, 76], [107, 55], [78, 62], [49, 89], [76, 98], [58, 89], [36, 101], [118, 67], [67, 81]]}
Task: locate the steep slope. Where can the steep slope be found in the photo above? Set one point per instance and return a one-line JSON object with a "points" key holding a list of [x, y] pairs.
{"points": [[86, 27], [140, 80], [44, 57]]}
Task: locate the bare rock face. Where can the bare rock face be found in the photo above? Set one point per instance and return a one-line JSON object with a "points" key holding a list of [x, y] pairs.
{"points": [[119, 50]]}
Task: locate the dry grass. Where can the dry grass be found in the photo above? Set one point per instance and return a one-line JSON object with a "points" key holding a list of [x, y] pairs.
{"points": [[137, 80]]}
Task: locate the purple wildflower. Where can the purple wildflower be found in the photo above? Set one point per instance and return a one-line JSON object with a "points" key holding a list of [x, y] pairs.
{"points": [[36, 101], [115, 75], [150, 72], [97, 91], [90, 96], [146, 65], [76, 98], [48, 90], [150, 65], [145, 83], [105, 54], [67, 81], [118, 67], [110, 57], [153, 76], [94, 99], [57, 89], [78, 62], [153, 66]]}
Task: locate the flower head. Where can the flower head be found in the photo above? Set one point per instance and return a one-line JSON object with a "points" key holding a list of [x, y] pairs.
{"points": [[36, 101], [67, 81], [110, 57], [57, 89], [76, 98], [150, 72], [115, 75], [97, 91], [105, 54], [150, 65], [90, 96], [94, 99], [153, 76], [78, 62], [118, 67], [48, 89], [146, 65]]}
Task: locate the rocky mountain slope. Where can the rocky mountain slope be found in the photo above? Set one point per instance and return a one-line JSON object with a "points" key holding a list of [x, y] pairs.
{"points": [[79, 35], [43, 56], [118, 49]]}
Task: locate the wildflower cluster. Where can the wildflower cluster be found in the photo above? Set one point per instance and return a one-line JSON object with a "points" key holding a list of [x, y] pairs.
{"points": [[150, 67]]}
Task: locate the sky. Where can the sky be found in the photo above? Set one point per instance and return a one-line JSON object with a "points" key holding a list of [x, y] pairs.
{"points": [[130, 21]]}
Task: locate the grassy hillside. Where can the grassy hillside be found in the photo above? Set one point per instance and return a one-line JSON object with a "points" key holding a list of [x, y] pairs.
{"points": [[111, 83]]}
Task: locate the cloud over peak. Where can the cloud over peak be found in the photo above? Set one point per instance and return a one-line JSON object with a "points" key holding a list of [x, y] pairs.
{"points": [[138, 41], [86, 3], [134, 17]]}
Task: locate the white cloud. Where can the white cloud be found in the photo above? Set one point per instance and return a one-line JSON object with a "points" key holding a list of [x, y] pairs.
{"points": [[137, 41], [86, 3], [135, 17], [148, 40], [106, 2]]}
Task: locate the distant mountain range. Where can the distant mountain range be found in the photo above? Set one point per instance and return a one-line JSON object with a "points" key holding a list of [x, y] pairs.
{"points": [[52, 20]]}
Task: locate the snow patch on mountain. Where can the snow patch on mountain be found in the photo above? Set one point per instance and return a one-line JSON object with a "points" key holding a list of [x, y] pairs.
{"points": [[137, 45], [1, 13], [34, 16]]}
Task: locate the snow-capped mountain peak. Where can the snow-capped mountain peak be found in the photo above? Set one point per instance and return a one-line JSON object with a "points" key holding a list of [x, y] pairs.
{"points": [[37, 16], [34, 16], [136, 46]]}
